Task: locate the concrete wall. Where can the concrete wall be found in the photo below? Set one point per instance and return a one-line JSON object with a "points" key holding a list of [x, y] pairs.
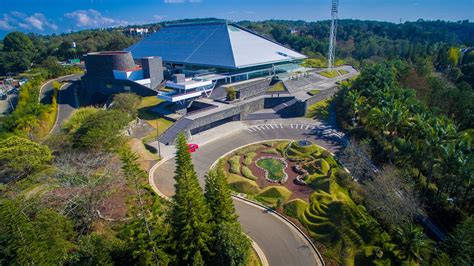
{"points": [[153, 69], [319, 97], [272, 101], [254, 89]]}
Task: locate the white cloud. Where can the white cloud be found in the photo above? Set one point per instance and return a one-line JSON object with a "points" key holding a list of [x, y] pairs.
{"points": [[6, 23], [93, 18], [159, 17], [37, 22]]}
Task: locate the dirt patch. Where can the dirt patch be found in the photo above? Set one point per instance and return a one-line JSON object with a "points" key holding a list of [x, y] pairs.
{"points": [[142, 129], [147, 159], [115, 205]]}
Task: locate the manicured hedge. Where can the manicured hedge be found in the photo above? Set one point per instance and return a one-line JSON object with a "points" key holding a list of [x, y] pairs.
{"points": [[246, 172], [234, 163], [248, 158], [276, 192], [295, 208]]}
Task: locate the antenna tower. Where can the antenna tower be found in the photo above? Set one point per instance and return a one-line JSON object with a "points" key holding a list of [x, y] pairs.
{"points": [[332, 35]]}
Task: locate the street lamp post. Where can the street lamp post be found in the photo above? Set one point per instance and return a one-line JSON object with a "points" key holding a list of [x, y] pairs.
{"points": [[157, 138]]}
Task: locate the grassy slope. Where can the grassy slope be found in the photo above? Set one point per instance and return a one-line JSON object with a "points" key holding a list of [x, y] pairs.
{"points": [[319, 110], [332, 73], [295, 208], [279, 87], [242, 185], [152, 119]]}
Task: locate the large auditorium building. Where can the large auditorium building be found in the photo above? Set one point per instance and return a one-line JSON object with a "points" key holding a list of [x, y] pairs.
{"points": [[193, 67], [202, 55]]}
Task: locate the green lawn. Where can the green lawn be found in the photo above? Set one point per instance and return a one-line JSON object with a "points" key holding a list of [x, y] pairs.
{"points": [[319, 110], [279, 87], [295, 208], [152, 119], [274, 167], [333, 73], [313, 92]]}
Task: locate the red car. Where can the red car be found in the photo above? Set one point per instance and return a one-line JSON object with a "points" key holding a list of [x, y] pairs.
{"points": [[192, 147]]}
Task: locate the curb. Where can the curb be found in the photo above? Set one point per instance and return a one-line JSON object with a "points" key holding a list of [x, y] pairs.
{"points": [[251, 202], [236, 196], [51, 80], [57, 110]]}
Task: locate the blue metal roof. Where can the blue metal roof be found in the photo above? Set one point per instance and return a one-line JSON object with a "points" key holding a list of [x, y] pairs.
{"points": [[217, 44]]}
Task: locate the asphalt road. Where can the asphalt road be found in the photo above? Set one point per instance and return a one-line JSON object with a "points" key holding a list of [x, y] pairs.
{"points": [[281, 243], [66, 98], [47, 88], [66, 105]]}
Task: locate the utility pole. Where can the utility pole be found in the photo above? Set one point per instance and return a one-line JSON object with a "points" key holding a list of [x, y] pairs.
{"points": [[157, 138], [333, 33]]}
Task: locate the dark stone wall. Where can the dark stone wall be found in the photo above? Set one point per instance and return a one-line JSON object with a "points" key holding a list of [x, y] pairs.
{"points": [[272, 101], [91, 86], [254, 89], [102, 64], [319, 97]]}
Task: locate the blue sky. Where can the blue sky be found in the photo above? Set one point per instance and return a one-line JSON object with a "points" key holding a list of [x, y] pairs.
{"points": [[56, 16]]}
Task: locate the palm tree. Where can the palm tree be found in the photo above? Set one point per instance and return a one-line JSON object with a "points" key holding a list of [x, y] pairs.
{"points": [[413, 245]]}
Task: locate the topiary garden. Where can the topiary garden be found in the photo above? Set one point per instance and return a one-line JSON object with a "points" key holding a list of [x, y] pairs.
{"points": [[298, 178]]}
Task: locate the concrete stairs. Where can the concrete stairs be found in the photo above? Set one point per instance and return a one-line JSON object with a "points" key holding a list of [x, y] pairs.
{"points": [[284, 105], [172, 132]]}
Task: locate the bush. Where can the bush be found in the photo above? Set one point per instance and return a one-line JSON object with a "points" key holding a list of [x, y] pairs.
{"points": [[248, 159], [234, 163], [127, 102], [276, 192], [325, 154], [231, 94], [295, 208], [78, 117], [245, 186], [102, 130], [246, 172], [248, 149], [19, 157], [324, 166], [268, 144], [271, 151], [282, 146], [343, 178]]}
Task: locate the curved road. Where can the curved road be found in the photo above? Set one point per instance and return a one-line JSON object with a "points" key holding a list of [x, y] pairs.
{"points": [[281, 243], [67, 102]]}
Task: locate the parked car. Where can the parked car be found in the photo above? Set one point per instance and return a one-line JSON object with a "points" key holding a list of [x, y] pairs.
{"points": [[192, 147]]}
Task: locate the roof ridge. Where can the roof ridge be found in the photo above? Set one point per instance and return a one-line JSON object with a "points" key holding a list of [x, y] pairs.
{"points": [[200, 45], [231, 45]]}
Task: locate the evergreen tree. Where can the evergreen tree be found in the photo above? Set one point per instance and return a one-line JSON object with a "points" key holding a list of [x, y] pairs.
{"points": [[231, 246], [189, 215], [218, 196]]}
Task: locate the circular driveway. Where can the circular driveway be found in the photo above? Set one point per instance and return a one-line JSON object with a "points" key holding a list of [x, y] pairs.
{"points": [[281, 243]]}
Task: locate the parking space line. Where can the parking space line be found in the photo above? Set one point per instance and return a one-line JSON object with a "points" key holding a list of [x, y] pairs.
{"points": [[307, 127]]}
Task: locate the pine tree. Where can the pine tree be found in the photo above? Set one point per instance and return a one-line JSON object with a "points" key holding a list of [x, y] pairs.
{"points": [[189, 215], [218, 196], [231, 246]]}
